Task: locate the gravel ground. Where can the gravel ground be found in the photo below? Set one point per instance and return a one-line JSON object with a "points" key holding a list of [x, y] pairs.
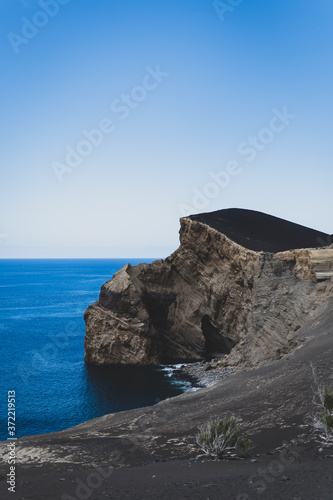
{"points": [[204, 374]]}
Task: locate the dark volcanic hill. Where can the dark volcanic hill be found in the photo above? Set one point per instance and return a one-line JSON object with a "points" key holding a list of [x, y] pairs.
{"points": [[261, 232]]}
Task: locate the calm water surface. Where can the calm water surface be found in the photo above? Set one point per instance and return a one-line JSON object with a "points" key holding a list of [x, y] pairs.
{"points": [[42, 332]]}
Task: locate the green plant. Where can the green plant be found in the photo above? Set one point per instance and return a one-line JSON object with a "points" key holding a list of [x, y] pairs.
{"points": [[328, 400], [217, 438]]}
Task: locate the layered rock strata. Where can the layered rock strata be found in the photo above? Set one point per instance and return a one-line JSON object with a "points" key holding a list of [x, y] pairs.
{"points": [[214, 296]]}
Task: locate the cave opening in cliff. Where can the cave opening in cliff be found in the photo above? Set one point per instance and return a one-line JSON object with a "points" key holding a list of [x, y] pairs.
{"points": [[215, 342]]}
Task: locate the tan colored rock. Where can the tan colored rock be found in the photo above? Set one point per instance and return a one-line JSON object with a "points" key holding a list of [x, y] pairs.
{"points": [[322, 263], [211, 295]]}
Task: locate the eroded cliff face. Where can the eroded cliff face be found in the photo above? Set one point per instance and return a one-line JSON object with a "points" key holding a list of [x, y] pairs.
{"points": [[210, 296]]}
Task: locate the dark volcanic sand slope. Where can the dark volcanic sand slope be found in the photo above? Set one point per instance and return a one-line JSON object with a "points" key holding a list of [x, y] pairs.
{"points": [[272, 401], [261, 232]]}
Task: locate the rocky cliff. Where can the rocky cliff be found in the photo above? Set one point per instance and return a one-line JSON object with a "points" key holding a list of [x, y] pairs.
{"points": [[241, 284]]}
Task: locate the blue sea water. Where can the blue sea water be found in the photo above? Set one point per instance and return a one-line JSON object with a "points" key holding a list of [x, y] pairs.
{"points": [[42, 332]]}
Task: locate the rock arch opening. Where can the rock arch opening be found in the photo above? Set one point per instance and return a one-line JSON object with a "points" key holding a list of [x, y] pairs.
{"points": [[215, 342]]}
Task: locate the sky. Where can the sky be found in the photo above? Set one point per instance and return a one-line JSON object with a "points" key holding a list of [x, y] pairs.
{"points": [[118, 118]]}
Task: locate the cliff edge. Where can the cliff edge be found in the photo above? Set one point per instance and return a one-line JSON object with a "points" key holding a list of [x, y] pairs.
{"points": [[240, 286]]}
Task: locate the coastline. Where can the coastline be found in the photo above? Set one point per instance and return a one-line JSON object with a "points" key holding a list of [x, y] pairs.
{"points": [[151, 452], [199, 375]]}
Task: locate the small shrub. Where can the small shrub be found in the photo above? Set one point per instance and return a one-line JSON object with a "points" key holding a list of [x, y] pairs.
{"points": [[322, 422], [219, 437], [328, 400], [327, 420]]}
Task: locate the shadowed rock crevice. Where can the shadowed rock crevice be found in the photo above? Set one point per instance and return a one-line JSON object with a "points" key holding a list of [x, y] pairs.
{"points": [[158, 305], [216, 342]]}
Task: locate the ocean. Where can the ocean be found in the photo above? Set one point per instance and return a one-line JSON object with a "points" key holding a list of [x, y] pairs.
{"points": [[42, 331]]}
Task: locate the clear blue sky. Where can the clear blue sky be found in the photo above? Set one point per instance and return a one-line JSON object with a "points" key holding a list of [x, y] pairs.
{"points": [[199, 107]]}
